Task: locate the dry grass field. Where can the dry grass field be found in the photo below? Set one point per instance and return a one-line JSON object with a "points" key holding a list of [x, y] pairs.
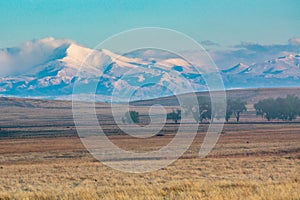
{"points": [[41, 157], [245, 164]]}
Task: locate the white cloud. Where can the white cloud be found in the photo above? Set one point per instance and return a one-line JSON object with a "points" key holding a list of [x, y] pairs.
{"points": [[17, 60], [294, 41], [209, 43], [249, 53]]}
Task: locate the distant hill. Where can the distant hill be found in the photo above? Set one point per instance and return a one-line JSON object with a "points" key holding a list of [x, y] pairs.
{"points": [[21, 117], [249, 95]]}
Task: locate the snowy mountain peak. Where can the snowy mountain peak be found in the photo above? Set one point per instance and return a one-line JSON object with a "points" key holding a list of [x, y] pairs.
{"points": [[74, 55], [278, 72], [77, 51], [240, 67], [49, 67]]}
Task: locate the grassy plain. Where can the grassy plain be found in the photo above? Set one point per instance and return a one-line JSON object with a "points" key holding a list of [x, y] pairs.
{"points": [[245, 164], [41, 157]]}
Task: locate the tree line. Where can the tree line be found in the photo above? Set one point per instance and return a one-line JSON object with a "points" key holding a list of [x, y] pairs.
{"points": [[286, 109], [203, 111]]}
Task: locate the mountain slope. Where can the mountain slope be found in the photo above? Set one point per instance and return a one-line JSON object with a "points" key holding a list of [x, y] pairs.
{"points": [[279, 72], [48, 68]]}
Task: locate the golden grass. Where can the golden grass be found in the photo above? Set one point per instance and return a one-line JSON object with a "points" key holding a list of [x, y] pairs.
{"points": [[185, 190], [231, 171], [250, 161]]}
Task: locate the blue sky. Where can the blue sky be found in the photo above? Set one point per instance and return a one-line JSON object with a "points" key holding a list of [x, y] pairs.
{"points": [[89, 22]]}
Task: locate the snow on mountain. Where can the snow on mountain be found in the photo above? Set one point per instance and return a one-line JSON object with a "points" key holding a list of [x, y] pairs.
{"points": [[57, 63], [281, 67], [236, 69], [283, 71], [49, 67]]}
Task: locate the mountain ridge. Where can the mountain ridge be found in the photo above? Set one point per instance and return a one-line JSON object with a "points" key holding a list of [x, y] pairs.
{"points": [[53, 73]]}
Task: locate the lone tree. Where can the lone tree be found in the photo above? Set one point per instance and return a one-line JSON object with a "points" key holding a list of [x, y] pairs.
{"points": [[131, 117], [174, 115], [203, 111], [228, 113], [235, 107], [266, 108]]}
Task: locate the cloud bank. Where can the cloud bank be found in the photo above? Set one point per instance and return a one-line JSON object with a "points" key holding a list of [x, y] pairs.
{"points": [[294, 41], [17, 60], [249, 53]]}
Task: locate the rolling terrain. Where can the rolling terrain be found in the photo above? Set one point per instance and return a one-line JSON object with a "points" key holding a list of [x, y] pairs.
{"points": [[34, 117], [42, 157]]}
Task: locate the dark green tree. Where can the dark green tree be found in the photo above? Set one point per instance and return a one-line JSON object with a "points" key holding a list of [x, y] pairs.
{"points": [[131, 117], [228, 113], [174, 115], [202, 111], [267, 108], [291, 107], [281, 108], [235, 107]]}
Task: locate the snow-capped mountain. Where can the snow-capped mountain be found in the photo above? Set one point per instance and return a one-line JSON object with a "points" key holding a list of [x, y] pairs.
{"points": [[283, 71], [53, 73], [48, 68]]}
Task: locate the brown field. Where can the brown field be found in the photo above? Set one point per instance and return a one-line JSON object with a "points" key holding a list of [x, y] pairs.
{"points": [[42, 158]]}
